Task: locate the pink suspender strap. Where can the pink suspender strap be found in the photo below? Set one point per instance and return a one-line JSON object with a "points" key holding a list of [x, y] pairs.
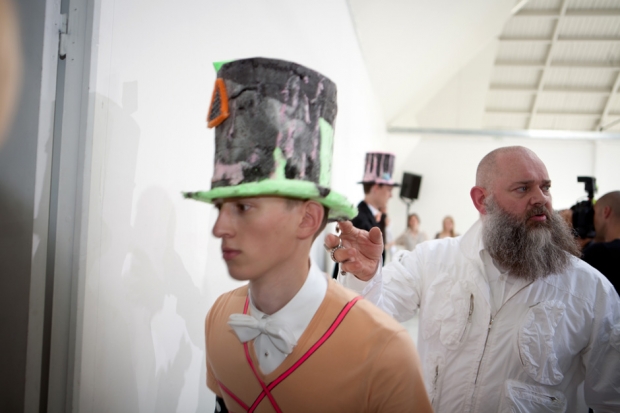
{"points": [[303, 358], [234, 397], [267, 388]]}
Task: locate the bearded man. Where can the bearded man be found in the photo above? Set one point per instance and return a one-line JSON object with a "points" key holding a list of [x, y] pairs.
{"points": [[510, 319]]}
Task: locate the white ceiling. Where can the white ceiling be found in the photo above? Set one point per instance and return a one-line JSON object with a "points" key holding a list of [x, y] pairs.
{"points": [[553, 64]]}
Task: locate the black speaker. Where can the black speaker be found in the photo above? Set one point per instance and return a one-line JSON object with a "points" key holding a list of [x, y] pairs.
{"points": [[410, 187]]}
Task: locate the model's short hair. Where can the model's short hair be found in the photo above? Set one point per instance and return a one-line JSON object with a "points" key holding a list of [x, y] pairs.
{"points": [[368, 186], [293, 202]]}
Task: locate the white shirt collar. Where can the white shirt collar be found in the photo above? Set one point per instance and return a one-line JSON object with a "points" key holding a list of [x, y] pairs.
{"points": [[374, 210], [296, 315]]}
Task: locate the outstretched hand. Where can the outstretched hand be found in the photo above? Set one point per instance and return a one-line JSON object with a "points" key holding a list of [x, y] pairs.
{"points": [[362, 249]]}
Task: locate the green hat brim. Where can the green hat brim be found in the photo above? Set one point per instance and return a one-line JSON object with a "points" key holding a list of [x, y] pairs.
{"points": [[339, 207]]}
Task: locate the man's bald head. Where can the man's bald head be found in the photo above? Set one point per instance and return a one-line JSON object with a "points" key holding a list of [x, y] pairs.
{"points": [[490, 166], [611, 200]]}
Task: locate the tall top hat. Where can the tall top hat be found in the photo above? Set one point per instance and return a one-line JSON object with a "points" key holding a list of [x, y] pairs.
{"points": [[274, 128], [379, 169]]}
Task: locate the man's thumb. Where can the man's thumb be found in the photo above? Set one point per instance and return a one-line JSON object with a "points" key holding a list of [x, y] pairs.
{"points": [[375, 236]]}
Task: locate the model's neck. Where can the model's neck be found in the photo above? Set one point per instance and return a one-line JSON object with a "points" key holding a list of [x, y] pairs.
{"points": [[274, 290], [371, 202]]}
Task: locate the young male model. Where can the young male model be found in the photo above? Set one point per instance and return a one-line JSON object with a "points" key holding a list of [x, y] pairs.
{"points": [[290, 340]]}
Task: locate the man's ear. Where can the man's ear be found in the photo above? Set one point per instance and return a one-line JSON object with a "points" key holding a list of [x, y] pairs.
{"points": [[606, 211], [478, 196], [311, 219]]}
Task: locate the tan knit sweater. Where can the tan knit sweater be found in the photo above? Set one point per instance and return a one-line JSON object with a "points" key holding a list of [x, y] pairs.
{"points": [[367, 364]]}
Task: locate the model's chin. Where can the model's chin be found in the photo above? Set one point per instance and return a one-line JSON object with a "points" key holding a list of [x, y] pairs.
{"points": [[237, 273]]}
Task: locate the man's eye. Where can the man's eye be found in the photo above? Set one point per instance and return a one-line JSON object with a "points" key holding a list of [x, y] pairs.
{"points": [[522, 189], [546, 187], [243, 207]]}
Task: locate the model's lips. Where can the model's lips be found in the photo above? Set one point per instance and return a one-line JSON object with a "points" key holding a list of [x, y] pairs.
{"points": [[229, 253]]}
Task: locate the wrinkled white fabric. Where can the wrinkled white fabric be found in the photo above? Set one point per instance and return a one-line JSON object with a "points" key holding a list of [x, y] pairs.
{"points": [[488, 344]]}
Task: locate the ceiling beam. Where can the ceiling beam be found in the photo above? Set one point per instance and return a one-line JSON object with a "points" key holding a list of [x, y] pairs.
{"points": [[554, 14], [518, 64], [545, 71], [521, 133], [563, 39], [494, 111], [608, 103], [551, 89]]}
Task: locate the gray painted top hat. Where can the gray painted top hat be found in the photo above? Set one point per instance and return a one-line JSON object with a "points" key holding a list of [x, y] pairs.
{"points": [[274, 126]]}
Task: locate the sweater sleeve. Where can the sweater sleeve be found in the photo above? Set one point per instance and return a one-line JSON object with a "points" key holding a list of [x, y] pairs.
{"points": [[396, 383]]}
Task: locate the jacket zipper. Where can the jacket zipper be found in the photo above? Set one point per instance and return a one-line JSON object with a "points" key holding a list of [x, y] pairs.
{"points": [[471, 311], [553, 399], [486, 340], [435, 384]]}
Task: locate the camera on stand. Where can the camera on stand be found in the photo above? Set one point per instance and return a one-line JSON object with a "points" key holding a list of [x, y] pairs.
{"points": [[583, 211]]}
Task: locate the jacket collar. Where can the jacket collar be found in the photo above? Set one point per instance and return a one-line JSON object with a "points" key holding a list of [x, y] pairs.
{"points": [[471, 244]]}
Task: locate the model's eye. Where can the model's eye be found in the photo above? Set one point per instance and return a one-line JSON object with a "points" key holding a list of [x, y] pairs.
{"points": [[241, 207]]}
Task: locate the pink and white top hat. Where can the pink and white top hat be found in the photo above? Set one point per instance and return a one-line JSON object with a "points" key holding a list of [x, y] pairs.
{"points": [[379, 169]]}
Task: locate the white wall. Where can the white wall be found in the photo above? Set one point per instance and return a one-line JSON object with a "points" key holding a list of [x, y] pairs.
{"points": [[448, 168], [153, 267]]}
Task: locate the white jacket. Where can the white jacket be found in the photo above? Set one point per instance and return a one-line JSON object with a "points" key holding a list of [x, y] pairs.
{"points": [[531, 356]]}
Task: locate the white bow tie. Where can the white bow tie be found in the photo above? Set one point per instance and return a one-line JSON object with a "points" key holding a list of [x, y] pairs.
{"points": [[248, 328]]}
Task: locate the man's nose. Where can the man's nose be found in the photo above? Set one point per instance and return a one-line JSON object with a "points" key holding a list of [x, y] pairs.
{"points": [[222, 227], [539, 197]]}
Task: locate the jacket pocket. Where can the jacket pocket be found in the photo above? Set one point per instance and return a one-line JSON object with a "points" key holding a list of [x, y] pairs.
{"points": [[434, 370], [536, 346], [526, 398], [449, 304]]}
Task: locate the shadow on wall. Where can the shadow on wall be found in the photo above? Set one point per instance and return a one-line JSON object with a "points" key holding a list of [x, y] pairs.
{"points": [[145, 352]]}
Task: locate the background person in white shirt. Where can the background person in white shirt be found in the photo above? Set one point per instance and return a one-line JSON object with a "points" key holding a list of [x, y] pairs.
{"points": [[290, 339], [510, 318]]}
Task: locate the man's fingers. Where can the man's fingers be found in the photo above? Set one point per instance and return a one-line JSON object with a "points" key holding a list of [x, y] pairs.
{"points": [[331, 241], [346, 227], [375, 236], [345, 254]]}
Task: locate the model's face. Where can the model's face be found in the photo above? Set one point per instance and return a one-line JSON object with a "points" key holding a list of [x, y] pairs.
{"points": [[383, 195], [448, 225], [521, 184], [414, 223], [258, 234]]}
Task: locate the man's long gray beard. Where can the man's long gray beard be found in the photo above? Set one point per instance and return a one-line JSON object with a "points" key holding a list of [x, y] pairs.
{"points": [[528, 250]]}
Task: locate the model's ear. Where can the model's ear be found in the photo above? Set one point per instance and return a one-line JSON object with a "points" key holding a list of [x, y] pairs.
{"points": [[478, 196], [311, 219]]}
